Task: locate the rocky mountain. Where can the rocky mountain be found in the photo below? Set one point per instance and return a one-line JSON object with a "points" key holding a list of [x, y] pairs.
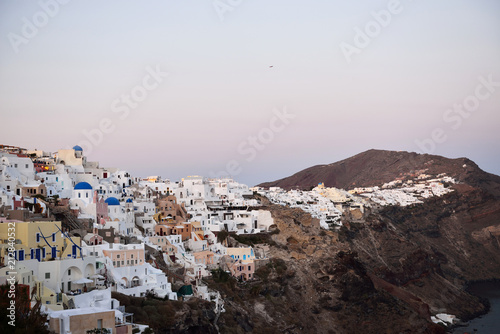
{"points": [[385, 273], [376, 167]]}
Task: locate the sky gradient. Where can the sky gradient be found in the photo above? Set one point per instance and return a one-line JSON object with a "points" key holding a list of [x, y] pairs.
{"points": [[72, 73]]}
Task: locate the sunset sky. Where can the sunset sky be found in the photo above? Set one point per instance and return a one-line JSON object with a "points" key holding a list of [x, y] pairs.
{"points": [[73, 68]]}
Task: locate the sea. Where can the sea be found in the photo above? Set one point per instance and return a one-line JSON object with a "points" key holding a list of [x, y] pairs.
{"points": [[490, 322]]}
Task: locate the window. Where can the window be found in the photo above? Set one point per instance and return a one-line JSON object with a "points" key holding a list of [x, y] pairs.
{"points": [[69, 272], [47, 275], [26, 166], [54, 237], [87, 195], [131, 256], [114, 263], [117, 256], [123, 262], [38, 237], [79, 195]]}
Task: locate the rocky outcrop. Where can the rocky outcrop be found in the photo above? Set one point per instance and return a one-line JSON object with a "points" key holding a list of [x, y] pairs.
{"points": [[314, 283], [386, 271]]}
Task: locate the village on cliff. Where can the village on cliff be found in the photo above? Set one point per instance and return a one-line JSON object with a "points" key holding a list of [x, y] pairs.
{"points": [[73, 232]]}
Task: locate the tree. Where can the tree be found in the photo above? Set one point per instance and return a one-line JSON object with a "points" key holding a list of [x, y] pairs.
{"points": [[26, 320], [222, 236], [99, 331]]}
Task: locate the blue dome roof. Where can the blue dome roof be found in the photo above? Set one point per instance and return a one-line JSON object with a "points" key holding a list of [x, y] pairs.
{"points": [[130, 200], [77, 148], [83, 186], [112, 201]]}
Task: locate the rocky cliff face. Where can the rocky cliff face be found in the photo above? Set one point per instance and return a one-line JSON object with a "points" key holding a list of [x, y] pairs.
{"points": [[431, 250], [384, 273], [316, 283]]}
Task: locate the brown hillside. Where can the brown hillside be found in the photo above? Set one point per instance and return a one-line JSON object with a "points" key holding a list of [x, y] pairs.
{"points": [[376, 167]]}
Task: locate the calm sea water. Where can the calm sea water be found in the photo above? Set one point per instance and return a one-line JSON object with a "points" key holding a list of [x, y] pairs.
{"points": [[488, 323]]}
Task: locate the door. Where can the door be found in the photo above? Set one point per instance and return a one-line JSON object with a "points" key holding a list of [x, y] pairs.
{"points": [[38, 254], [21, 255]]}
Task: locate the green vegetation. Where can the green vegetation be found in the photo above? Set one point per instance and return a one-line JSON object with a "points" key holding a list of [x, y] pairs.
{"points": [[220, 276], [255, 239], [158, 314], [99, 331], [40, 196], [222, 235]]}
